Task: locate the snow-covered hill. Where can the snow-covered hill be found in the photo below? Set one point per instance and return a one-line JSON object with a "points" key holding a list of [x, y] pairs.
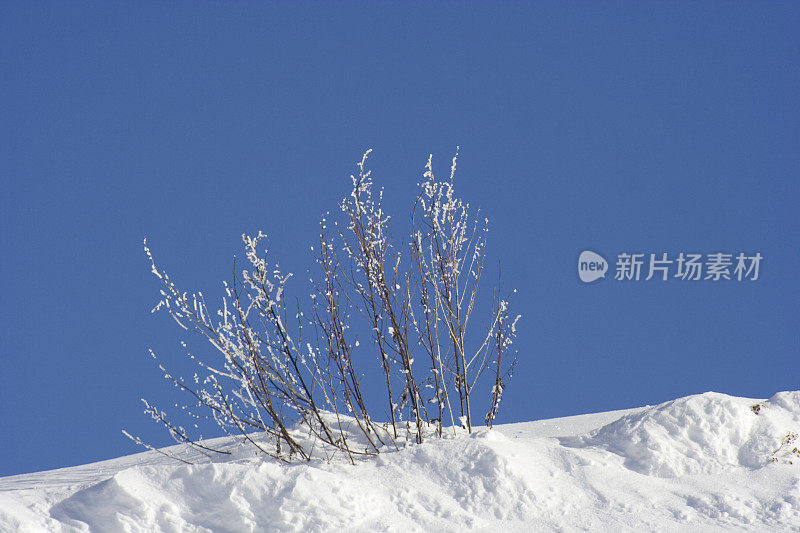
{"points": [[708, 462]]}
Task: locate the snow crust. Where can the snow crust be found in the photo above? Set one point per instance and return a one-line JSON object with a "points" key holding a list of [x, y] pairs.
{"points": [[708, 462]]}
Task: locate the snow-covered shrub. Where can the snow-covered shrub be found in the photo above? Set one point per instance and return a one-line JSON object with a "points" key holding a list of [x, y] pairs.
{"points": [[300, 380]]}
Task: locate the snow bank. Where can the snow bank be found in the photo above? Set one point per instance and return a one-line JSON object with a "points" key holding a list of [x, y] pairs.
{"points": [[571, 474], [701, 434], [434, 486]]}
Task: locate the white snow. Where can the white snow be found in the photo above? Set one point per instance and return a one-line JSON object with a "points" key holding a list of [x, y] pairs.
{"points": [[708, 462]]}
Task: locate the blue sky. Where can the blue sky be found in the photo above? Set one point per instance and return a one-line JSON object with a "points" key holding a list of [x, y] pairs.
{"points": [[625, 127]]}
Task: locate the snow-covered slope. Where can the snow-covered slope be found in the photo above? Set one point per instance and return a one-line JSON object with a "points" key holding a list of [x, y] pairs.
{"points": [[708, 462]]}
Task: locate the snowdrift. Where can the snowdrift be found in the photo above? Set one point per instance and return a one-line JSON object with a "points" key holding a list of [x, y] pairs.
{"points": [[701, 434], [708, 462]]}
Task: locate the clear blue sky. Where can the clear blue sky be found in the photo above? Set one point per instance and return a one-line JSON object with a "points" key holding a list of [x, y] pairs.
{"points": [[624, 127]]}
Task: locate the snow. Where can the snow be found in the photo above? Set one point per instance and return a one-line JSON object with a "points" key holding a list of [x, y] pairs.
{"points": [[707, 462], [701, 434]]}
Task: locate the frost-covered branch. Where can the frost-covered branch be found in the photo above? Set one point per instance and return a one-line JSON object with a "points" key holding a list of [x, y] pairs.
{"points": [[267, 375]]}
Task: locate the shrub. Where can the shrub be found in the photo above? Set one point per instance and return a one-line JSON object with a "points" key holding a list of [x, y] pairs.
{"points": [[301, 383]]}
